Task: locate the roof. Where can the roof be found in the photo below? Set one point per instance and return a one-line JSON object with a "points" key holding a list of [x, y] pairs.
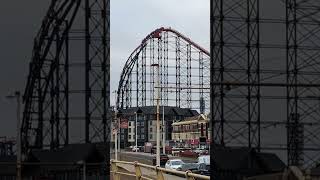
{"points": [[168, 110], [315, 171], [71, 155], [184, 122], [193, 119], [271, 162], [246, 161], [10, 168]]}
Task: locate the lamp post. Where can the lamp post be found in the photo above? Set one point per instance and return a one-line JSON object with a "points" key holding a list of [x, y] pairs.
{"points": [[136, 131], [17, 96], [163, 133], [115, 127], [84, 169], [158, 117]]}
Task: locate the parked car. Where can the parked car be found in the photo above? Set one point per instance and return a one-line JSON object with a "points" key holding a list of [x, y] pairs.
{"points": [[174, 164], [204, 159], [134, 149], [163, 159], [193, 167], [203, 169], [188, 153]]}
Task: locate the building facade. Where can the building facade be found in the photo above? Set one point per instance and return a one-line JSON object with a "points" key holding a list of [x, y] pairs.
{"points": [[143, 119], [193, 131]]}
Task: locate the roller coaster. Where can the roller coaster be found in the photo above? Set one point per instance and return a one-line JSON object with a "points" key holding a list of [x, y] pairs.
{"points": [[70, 65], [184, 70]]}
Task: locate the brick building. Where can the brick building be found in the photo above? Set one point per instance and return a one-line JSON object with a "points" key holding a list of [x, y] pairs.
{"points": [[146, 123]]}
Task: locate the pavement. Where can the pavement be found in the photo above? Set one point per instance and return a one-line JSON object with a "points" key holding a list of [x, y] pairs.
{"points": [[146, 158]]}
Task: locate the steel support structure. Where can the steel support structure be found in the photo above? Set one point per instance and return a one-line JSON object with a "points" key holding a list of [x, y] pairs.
{"points": [[97, 70], [182, 63], [303, 30], [47, 98], [6, 146], [235, 58], [240, 72]]}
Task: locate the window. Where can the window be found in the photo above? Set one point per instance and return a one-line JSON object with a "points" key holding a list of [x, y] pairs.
{"points": [[151, 129], [129, 123], [142, 123], [142, 130], [142, 136], [150, 122], [122, 136], [150, 136], [129, 136], [129, 130]]}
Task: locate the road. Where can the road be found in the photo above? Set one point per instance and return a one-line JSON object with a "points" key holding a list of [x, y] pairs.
{"points": [[145, 158]]}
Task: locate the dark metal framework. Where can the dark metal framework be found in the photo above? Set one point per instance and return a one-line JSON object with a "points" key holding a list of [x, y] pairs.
{"points": [[244, 86], [6, 146], [184, 70], [235, 58], [47, 97], [303, 47]]}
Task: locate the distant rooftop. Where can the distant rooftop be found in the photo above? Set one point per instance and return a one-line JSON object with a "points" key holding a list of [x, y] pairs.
{"points": [[168, 110]]}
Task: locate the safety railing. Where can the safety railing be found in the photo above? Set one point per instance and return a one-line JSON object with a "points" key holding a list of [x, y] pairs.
{"points": [[121, 170]]}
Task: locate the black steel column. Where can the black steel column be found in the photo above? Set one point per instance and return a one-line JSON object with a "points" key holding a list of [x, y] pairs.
{"points": [[253, 59], [87, 70]]}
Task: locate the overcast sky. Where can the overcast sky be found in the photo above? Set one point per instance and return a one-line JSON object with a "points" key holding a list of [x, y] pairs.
{"points": [[131, 21]]}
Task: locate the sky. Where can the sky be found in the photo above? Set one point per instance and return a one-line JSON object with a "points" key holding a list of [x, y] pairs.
{"points": [[19, 22], [130, 22]]}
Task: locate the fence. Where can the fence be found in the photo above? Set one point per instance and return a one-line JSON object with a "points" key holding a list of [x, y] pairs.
{"points": [[140, 171]]}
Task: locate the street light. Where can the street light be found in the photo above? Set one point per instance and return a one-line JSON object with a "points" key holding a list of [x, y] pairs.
{"points": [[158, 118], [117, 138], [83, 163], [136, 131], [16, 96], [163, 132]]}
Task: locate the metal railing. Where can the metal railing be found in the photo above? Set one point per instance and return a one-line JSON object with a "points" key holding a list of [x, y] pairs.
{"points": [[140, 171]]}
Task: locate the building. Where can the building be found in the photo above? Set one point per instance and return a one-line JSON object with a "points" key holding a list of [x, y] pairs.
{"points": [[193, 131], [238, 163], [146, 123], [6, 146], [68, 162]]}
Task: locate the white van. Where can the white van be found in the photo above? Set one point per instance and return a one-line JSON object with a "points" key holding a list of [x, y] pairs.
{"points": [[205, 159]]}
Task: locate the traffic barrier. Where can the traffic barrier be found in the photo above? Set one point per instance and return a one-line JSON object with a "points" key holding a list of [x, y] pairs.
{"points": [[146, 172]]}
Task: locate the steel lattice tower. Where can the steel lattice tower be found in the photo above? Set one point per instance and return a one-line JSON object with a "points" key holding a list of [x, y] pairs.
{"points": [[184, 70], [235, 58], [69, 74], [245, 85], [303, 67]]}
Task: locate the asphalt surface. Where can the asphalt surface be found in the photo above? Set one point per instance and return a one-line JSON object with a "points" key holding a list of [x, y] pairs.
{"points": [[145, 158]]}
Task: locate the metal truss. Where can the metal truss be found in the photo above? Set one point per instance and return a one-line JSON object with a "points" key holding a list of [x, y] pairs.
{"points": [[6, 147], [303, 32], [244, 85], [48, 93], [235, 58], [184, 72]]}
